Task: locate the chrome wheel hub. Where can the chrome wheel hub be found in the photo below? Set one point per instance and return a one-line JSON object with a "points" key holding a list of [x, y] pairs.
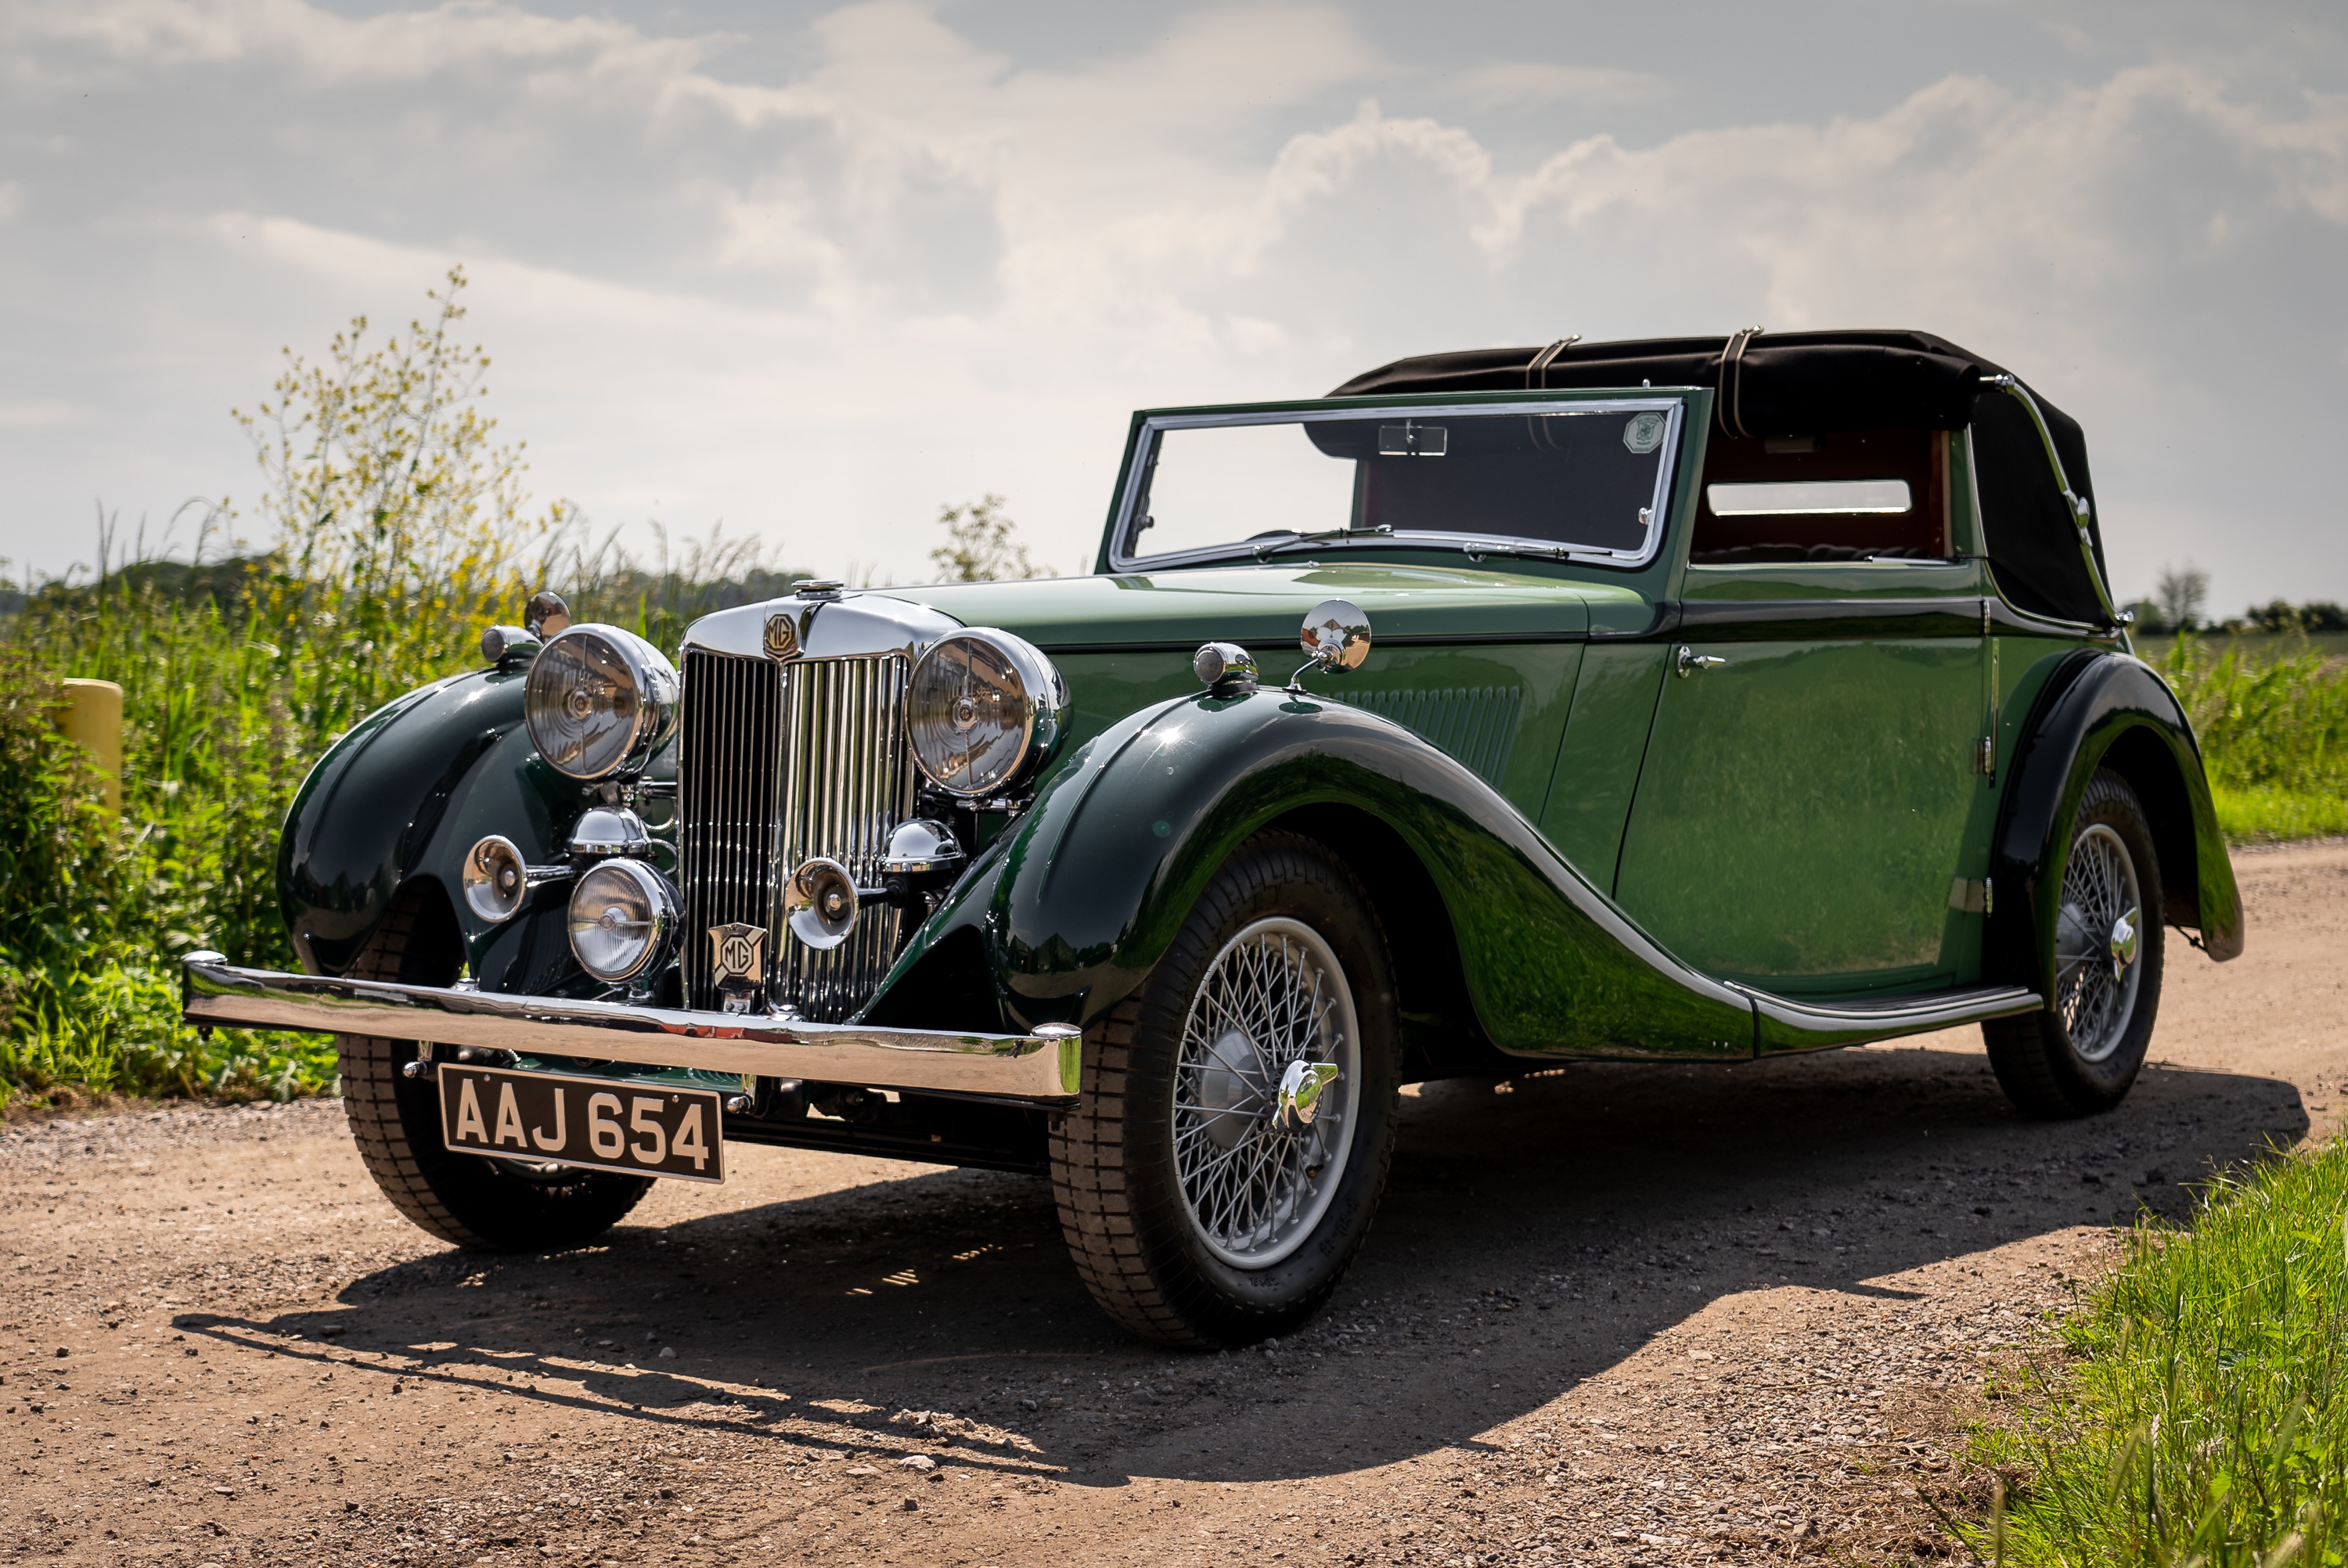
{"points": [[1264, 1092], [2098, 936]]}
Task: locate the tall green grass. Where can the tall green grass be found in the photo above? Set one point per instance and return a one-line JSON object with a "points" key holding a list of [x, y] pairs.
{"points": [[2204, 1418], [2275, 735], [399, 532]]}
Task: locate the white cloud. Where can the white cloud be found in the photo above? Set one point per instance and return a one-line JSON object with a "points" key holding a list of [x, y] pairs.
{"points": [[1536, 81], [911, 266]]}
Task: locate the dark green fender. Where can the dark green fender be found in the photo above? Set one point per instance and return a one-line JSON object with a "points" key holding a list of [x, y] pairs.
{"points": [[1065, 913], [2107, 710], [400, 799]]}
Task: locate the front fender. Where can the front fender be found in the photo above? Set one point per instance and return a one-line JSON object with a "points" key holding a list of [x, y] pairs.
{"points": [[2100, 708], [403, 795], [1073, 907]]}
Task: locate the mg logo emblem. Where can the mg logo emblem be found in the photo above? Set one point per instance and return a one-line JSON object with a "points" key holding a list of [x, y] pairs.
{"points": [[782, 639], [737, 954]]}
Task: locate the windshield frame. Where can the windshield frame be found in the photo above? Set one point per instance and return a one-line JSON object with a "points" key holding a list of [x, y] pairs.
{"points": [[1151, 426]]}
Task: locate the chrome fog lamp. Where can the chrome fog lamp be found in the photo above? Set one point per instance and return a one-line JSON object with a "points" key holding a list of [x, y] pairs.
{"points": [[622, 915], [599, 701], [988, 710]]}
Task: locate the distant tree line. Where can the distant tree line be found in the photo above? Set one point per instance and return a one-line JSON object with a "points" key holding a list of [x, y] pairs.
{"points": [[2180, 602]]}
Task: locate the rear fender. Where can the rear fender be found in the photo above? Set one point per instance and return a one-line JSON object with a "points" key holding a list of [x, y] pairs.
{"points": [[2107, 710], [1069, 911]]}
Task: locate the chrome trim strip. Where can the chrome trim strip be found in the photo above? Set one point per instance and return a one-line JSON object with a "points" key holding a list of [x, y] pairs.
{"points": [[1785, 1024], [2071, 498], [1152, 426], [1037, 1069], [855, 626]]}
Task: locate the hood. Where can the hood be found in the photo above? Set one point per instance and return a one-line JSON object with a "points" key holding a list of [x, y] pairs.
{"points": [[1265, 604]]}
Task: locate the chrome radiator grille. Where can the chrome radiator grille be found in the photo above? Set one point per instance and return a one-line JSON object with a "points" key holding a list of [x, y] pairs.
{"points": [[779, 762]]}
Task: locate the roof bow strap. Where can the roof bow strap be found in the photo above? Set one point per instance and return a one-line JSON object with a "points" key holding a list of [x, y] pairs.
{"points": [[1732, 383], [1536, 371], [1537, 380], [2080, 507]]}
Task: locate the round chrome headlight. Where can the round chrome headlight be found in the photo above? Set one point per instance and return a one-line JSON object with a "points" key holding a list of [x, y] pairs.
{"points": [[622, 915], [988, 708], [599, 701]]}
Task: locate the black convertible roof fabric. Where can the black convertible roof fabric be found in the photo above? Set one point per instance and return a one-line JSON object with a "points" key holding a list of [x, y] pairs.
{"points": [[1805, 383]]}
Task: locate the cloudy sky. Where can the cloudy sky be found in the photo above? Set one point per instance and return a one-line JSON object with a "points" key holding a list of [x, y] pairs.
{"points": [[814, 269]]}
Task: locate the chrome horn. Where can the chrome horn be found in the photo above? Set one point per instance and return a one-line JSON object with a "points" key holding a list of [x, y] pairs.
{"points": [[821, 902]]}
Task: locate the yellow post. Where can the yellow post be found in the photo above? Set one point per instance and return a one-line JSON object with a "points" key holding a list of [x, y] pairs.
{"points": [[93, 720]]}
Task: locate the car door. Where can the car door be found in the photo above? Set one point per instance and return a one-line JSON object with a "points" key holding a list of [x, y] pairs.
{"points": [[1802, 815]]}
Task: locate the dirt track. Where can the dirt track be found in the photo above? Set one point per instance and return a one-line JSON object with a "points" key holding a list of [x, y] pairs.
{"points": [[1614, 1315]]}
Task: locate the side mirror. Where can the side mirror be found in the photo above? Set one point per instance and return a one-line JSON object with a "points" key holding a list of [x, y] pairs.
{"points": [[1335, 638], [547, 616]]}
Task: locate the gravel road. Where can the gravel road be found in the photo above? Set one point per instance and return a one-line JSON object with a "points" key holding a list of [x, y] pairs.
{"points": [[1612, 1315]]}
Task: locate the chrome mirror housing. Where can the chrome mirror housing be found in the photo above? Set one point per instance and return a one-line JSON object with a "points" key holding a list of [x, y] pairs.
{"points": [[547, 616], [1335, 638], [1336, 633]]}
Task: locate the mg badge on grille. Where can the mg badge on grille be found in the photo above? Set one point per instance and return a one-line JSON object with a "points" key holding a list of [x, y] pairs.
{"points": [[782, 639], [737, 962]]}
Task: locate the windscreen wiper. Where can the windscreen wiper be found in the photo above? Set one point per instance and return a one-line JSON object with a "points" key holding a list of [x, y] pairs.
{"points": [[1384, 530]]}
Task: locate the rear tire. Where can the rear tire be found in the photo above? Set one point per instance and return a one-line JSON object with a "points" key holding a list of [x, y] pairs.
{"points": [[2080, 1054], [498, 1205], [1197, 1215]]}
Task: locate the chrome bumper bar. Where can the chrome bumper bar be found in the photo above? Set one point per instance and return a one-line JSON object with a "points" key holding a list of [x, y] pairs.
{"points": [[1037, 1069]]}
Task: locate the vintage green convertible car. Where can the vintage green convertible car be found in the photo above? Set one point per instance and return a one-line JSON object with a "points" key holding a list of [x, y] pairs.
{"points": [[1729, 697]]}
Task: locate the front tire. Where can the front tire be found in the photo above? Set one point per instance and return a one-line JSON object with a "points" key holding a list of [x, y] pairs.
{"points": [[496, 1205], [1199, 1214], [2080, 1054]]}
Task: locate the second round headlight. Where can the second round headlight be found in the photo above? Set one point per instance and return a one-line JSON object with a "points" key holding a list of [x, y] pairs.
{"points": [[988, 710], [622, 915], [600, 700]]}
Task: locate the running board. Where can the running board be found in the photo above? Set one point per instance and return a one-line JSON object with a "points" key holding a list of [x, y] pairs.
{"points": [[1780, 1024]]}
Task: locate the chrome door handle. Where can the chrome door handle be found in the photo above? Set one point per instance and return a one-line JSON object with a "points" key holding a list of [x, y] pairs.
{"points": [[1690, 661]]}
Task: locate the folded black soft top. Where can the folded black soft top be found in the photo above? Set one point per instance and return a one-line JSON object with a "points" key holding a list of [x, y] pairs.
{"points": [[1815, 382], [1772, 383]]}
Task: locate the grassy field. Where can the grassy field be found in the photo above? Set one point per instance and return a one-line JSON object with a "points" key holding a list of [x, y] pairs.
{"points": [[399, 530], [2257, 646], [2203, 1418], [2272, 717]]}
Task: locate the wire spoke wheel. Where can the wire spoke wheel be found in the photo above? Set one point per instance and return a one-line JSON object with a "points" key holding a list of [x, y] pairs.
{"points": [[1257, 1183], [2096, 936], [1237, 1111]]}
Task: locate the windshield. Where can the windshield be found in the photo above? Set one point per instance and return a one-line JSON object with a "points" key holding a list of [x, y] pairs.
{"points": [[1580, 478]]}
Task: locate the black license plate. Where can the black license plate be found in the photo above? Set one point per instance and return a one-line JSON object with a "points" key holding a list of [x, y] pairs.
{"points": [[547, 1118]]}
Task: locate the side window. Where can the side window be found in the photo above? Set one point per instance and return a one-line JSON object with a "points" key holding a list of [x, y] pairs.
{"points": [[1852, 495]]}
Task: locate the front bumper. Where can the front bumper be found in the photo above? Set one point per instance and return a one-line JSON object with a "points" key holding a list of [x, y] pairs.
{"points": [[1036, 1068]]}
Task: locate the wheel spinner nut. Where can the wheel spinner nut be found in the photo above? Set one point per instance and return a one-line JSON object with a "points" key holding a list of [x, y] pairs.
{"points": [[1301, 1088]]}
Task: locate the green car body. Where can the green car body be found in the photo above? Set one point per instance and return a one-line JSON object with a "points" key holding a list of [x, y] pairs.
{"points": [[1783, 708], [1602, 859]]}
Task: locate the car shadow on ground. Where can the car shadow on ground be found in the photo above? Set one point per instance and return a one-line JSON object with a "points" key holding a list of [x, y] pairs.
{"points": [[1533, 1235]]}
